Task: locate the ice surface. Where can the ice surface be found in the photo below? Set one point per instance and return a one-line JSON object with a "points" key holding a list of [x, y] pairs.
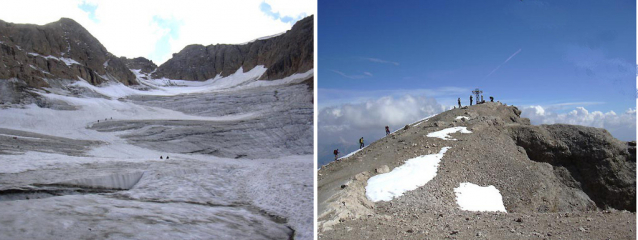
{"points": [[445, 133], [415, 173], [113, 181], [190, 196], [472, 197], [103, 217]]}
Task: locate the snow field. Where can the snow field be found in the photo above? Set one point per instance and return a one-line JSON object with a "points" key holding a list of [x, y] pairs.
{"points": [[472, 197], [415, 173], [282, 187], [445, 133]]}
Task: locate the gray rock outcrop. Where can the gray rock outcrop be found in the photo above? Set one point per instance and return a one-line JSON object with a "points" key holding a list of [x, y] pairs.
{"points": [[59, 50], [145, 65], [283, 55]]}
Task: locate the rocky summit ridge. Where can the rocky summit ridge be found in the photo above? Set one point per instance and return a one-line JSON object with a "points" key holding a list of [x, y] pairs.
{"points": [[556, 181]]}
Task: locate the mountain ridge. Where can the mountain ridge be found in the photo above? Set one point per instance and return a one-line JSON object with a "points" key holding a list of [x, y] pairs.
{"points": [[541, 172], [52, 55]]}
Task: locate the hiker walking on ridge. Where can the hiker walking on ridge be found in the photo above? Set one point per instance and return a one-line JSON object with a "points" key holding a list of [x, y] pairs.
{"points": [[491, 99], [470, 100], [459, 102], [387, 130], [482, 101], [361, 143], [336, 153]]}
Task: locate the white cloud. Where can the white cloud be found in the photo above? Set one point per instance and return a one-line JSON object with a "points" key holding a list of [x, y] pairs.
{"points": [[341, 126], [128, 28], [380, 61], [364, 75], [335, 97], [506, 60], [621, 126]]}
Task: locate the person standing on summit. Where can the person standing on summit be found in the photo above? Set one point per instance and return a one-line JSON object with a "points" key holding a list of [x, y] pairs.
{"points": [[361, 143], [387, 130], [459, 102], [470, 100]]}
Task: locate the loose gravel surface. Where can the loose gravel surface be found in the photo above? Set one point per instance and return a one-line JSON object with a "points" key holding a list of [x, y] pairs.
{"points": [[542, 200]]}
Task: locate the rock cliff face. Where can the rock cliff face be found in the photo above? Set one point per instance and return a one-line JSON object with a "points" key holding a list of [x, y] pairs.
{"points": [[51, 55], [283, 55], [59, 50]]}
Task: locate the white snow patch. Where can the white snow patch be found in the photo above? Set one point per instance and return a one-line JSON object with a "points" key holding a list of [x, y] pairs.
{"points": [[352, 153], [415, 173], [445, 133], [69, 61], [66, 61], [462, 117], [263, 38], [422, 120], [472, 197]]}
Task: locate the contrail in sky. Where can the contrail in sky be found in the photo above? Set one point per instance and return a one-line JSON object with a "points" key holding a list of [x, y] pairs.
{"points": [[519, 50]]}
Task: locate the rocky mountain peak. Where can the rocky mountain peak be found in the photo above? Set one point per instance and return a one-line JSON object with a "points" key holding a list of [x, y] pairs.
{"points": [[282, 55], [546, 169], [47, 56]]}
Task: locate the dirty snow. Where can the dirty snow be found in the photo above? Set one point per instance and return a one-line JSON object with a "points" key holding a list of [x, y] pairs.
{"points": [[462, 117], [472, 197], [415, 173], [281, 187], [445, 133]]}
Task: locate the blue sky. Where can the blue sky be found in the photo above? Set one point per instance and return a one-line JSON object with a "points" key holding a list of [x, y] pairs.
{"points": [[552, 58]]}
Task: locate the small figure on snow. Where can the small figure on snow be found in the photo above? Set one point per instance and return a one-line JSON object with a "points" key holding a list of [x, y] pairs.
{"points": [[161, 157]]}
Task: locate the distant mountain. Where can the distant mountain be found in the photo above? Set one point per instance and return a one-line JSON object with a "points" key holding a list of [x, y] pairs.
{"points": [[143, 64], [37, 55], [283, 55], [55, 54]]}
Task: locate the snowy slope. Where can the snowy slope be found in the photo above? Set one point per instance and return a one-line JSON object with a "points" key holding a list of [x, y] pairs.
{"points": [[192, 195]]}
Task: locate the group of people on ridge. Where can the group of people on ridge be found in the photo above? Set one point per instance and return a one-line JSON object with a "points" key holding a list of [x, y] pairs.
{"points": [[361, 143], [477, 102]]}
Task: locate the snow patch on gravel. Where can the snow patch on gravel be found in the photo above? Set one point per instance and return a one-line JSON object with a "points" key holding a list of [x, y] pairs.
{"points": [[415, 173], [352, 153], [445, 133], [462, 117], [472, 197]]}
